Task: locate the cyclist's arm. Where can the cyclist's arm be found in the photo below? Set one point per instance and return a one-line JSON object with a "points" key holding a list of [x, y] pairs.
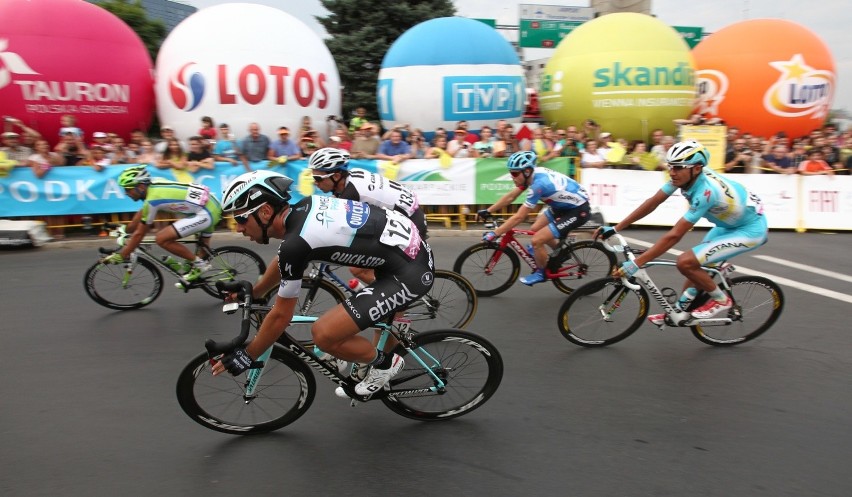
{"points": [[273, 326], [666, 242], [134, 223], [505, 200], [134, 241], [517, 218], [647, 207]]}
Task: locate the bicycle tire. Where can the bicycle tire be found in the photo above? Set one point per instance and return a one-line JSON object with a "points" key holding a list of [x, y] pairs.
{"points": [[472, 261], [471, 368], [104, 283], [231, 263], [758, 300], [581, 321], [585, 260], [283, 394], [450, 303]]}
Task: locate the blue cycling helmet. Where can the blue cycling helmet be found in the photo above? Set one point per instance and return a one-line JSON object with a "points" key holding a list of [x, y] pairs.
{"points": [[521, 160], [688, 153], [329, 160]]}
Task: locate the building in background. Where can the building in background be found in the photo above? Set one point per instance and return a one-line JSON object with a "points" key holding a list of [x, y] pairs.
{"points": [[171, 13]]}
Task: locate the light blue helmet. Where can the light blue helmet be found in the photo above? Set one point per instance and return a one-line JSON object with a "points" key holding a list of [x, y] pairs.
{"points": [[521, 160], [688, 153]]}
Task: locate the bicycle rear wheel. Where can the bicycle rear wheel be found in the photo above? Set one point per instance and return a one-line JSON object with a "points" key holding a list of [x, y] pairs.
{"points": [[580, 262], [473, 263], [602, 312], [470, 367], [232, 264], [284, 393], [111, 285], [450, 303], [758, 303]]}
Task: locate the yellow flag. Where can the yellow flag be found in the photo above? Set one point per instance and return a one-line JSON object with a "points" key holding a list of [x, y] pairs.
{"points": [[389, 169], [182, 176], [306, 182]]}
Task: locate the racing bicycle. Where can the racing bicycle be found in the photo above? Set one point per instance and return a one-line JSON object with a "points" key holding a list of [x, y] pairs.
{"points": [[608, 310], [138, 282], [450, 303], [447, 373], [493, 267]]}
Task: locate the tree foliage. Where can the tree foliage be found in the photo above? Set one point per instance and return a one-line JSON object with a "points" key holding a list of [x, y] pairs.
{"points": [[151, 31], [362, 32]]}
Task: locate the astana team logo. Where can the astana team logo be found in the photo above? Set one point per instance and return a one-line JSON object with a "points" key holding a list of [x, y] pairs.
{"points": [[187, 87], [800, 90], [11, 63]]}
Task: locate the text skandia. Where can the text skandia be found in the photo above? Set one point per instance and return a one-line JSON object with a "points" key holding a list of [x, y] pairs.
{"points": [[642, 102], [806, 94], [358, 260], [77, 91], [619, 75], [252, 84]]}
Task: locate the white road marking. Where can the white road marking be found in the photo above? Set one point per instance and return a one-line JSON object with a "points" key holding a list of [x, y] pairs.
{"points": [[805, 267]]}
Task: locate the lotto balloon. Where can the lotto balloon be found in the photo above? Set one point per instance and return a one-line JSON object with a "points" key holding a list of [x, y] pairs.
{"points": [[268, 67], [450, 69], [69, 57], [765, 76], [629, 72]]}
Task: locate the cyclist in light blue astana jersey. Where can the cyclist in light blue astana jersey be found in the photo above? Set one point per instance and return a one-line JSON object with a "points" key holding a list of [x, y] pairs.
{"points": [[736, 212], [203, 210], [567, 201]]}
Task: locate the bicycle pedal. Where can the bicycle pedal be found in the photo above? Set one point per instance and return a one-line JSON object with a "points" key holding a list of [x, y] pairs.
{"points": [[353, 403]]}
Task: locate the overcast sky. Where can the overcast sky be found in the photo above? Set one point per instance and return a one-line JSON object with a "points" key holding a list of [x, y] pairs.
{"points": [[830, 19]]}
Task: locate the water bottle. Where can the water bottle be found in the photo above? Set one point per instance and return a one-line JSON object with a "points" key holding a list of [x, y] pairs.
{"points": [[530, 250], [356, 285]]}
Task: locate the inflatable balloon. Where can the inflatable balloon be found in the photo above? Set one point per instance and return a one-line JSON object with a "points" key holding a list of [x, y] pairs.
{"points": [[631, 73], [765, 76], [268, 68], [61, 57], [447, 70]]}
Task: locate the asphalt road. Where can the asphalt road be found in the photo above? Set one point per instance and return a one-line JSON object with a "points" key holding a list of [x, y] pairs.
{"points": [[88, 404]]}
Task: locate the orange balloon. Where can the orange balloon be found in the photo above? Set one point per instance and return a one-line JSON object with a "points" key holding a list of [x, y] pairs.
{"points": [[765, 76]]}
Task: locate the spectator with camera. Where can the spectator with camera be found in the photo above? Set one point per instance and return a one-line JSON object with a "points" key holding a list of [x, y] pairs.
{"points": [[71, 148], [738, 158], [459, 147]]}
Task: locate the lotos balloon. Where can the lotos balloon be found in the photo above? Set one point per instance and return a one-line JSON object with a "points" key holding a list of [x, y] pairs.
{"points": [[447, 70], [61, 57], [765, 76], [629, 72], [268, 68]]}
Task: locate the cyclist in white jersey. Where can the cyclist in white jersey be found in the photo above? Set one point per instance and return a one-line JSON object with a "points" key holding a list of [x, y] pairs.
{"points": [[736, 212], [332, 230], [567, 201], [202, 209]]}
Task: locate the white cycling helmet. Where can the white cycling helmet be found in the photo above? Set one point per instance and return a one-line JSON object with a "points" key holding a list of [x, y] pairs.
{"points": [[329, 160], [688, 153], [249, 190]]}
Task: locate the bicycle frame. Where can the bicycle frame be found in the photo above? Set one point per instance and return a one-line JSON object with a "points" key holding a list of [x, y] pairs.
{"points": [[508, 240], [678, 317], [330, 372]]}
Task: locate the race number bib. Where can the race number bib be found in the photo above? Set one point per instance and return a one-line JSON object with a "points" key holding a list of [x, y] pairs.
{"points": [[400, 232], [197, 194]]}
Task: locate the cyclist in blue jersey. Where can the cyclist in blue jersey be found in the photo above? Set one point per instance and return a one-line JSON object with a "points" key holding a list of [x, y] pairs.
{"points": [[736, 212], [567, 201], [202, 209]]}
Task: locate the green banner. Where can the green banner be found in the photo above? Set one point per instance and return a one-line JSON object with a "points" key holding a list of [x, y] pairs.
{"points": [[490, 22], [691, 35], [493, 179], [535, 33]]}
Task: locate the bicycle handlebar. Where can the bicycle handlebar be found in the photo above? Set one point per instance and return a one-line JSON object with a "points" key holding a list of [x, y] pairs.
{"points": [[620, 246], [243, 289]]}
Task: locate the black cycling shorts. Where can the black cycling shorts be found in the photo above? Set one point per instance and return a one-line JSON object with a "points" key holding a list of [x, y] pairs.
{"points": [[563, 222]]}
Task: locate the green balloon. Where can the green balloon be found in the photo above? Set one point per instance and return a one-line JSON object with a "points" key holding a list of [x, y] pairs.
{"points": [[630, 73]]}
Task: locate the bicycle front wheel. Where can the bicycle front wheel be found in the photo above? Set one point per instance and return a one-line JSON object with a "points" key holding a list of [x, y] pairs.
{"points": [[284, 393], [470, 367], [489, 268], [232, 264], [113, 286], [579, 262], [450, 303], [758, 303], [602, 312]]}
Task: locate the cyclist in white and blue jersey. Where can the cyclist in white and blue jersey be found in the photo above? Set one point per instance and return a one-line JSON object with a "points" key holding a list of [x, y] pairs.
{"points": [[567, 207], [736, 212]]}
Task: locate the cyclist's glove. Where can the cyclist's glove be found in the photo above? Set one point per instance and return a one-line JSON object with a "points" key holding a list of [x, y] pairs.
{"points": [[607, 231], [115, 258], [629, 268], [483, 214], [489, 236], [239, 361]]}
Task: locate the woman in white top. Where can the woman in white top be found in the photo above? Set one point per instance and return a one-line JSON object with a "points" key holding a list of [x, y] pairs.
{"points": [[591, 156], [43, 159]]}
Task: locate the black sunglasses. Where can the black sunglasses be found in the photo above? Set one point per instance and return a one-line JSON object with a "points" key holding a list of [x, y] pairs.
{"points": [[244, 217], [515, 173], [320, 177]]}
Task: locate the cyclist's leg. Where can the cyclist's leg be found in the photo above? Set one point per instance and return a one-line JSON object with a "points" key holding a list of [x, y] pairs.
{"points": [[562, 223], [368, 276], [168, 237]]}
